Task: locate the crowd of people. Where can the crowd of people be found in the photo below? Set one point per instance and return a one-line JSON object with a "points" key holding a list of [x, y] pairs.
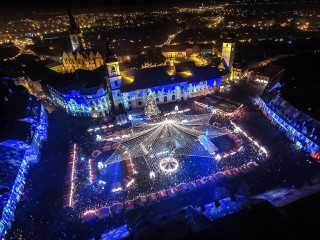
{"points": [[191, 168], [40, 215]]}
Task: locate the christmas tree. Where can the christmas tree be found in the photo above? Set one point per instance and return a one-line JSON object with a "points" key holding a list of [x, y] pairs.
{"points": [[151, 109]]}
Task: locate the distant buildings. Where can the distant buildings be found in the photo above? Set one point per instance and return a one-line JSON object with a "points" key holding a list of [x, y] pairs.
{"points": [[174, 51], [187, 50], [93, 86], [268, 74]]}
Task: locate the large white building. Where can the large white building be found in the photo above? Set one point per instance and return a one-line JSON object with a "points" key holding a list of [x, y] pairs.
{"points": [[97, 89], [99, 92]]}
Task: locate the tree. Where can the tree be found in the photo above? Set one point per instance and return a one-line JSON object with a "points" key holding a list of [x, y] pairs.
{"points": [[151, 109]]}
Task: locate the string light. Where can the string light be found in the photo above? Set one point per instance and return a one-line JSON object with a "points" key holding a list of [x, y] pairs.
{"points": [[72, 174], [175, 134], [90, 174]]}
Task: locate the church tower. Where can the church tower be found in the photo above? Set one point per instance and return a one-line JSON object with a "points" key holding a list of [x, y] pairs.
{"points": [[75, 34], [112, 64], [228, 53], [113, 79]]}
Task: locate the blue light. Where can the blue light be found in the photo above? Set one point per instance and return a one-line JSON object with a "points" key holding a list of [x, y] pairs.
{"points": [[31, 154], [117, 233], [137, 119], [289, 129]]}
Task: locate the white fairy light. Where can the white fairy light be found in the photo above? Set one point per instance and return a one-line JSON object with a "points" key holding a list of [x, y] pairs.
{"points": [[98, 137], [72, 174], [90, 174], [175, 134], [169, 165], [152, 175], [100, 165]]}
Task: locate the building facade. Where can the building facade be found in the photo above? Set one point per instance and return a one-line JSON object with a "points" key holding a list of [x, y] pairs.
{"points": [[228, 53], [81, 59], [93, 86], [112, 92], [174, 51], [82, 105], [299, 127]]}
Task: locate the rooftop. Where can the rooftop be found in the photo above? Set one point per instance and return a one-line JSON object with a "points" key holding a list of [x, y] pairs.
{"points": [[174, 48], [164, 75], [85, 81], [309, 126]]}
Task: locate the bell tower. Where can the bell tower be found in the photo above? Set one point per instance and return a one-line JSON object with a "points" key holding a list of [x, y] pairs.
{"points": [[75, 33], [112, 64], [228, 53], [113, 79]]}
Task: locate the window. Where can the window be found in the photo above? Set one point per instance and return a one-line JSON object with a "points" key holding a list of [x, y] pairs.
{"points": [[157, 99], [116, 83], [173, 97], [165, 99], [139, 103]]}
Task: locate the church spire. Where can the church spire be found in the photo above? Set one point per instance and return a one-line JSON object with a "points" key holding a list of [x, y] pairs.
{"points": [[73, 27], [110, 55], [75, 34]]}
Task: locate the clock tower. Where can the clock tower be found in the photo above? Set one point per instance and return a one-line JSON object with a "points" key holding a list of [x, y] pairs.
{"points": [[228, 53], [113, 77]]}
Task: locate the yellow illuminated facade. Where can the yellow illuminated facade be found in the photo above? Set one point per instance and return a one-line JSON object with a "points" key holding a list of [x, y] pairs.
{"points": [[80, 57], [84, 59], [236, 74], [228, 53], [34, 88]]}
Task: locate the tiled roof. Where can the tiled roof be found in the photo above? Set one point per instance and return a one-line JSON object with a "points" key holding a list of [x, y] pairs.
{"points": [[290, 114], [174, 48], [84, 81], [158, 76]]}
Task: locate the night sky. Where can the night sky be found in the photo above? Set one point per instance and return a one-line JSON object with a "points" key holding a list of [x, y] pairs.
{"points": [[17, 9], [20, 5], [87, 3]]}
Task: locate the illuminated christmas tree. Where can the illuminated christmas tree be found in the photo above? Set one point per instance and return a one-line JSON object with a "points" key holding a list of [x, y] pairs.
{"points": [[151, 109]]}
